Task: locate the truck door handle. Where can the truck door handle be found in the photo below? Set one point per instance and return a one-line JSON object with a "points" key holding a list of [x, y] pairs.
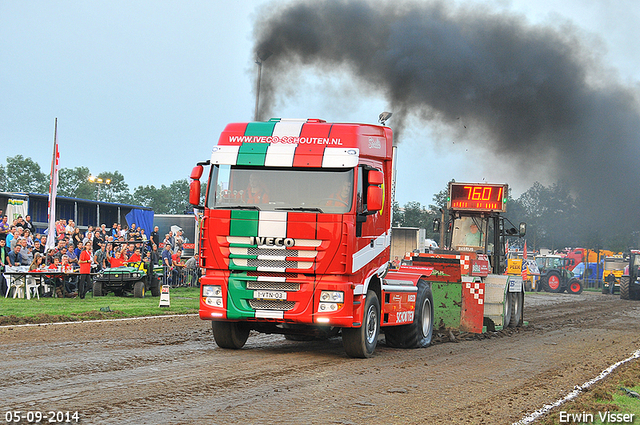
{"points": [[372, 243]]}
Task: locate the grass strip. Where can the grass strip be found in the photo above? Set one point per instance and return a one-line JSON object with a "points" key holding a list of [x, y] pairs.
{"points": [[43, 310]]}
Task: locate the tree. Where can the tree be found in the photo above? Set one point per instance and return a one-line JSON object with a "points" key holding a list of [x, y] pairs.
{"points": [[157, 199], [24, 175], [74, 182], [116, 191], [179, 193]]}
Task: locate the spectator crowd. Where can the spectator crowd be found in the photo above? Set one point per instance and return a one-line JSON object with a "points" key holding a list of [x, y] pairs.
{"points": [[86, 252]]}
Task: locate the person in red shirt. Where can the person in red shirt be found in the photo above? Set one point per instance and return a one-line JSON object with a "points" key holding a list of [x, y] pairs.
{"points": [[135, 257], [342, 198], [85, 270], [117, 260]]}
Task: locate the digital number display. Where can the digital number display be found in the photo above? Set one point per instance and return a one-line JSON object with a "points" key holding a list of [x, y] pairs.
{"points": [[477, 197]]}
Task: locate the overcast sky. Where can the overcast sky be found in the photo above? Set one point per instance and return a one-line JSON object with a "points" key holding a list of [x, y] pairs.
{"points": [[145, 87]]}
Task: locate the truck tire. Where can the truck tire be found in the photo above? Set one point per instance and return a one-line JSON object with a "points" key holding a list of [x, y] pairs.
{"points": [[517, 304], [553, 282], [508, 310], [361, 342], [574, 286], [419, 333], [97, 289], [624, 287], [231, 335], [138, 289]]}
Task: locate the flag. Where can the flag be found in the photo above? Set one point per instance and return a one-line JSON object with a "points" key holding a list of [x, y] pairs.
{"points": [[525, 274], [53, 189]]}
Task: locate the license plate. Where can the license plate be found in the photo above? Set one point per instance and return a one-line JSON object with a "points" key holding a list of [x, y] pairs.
{"points": [[270, 295]]}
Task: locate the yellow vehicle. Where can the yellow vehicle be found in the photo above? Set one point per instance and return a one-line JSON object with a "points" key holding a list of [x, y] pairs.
{"points": [[612, 272]]}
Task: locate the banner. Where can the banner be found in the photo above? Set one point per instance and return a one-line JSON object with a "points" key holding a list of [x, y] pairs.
{"points": [[53, 189]]}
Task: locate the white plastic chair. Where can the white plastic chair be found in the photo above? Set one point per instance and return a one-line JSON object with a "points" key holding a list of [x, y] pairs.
{"points": [[33, 284]]}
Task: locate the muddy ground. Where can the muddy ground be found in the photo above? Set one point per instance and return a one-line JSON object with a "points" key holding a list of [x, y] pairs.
{"points": [[169, 370]]}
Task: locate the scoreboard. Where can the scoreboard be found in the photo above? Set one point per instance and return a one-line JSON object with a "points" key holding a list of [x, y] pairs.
{"points": [[478, 197]]}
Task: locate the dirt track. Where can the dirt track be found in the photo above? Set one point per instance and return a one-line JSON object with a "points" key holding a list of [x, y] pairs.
{"points": [[169, 371]]}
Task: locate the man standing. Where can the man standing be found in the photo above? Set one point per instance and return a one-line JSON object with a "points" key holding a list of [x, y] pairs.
{"points": [[85, 270], [155, 236], [29, 225], [3, 260], [4, 227], [167, 262]]}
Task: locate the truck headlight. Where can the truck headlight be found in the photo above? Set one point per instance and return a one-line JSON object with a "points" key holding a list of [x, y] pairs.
{"points": [[212, 295], [212, 291], [332, 296]]}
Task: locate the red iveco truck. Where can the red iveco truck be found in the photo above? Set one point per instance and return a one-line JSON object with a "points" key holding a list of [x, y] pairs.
{"points": [[295, 238]]}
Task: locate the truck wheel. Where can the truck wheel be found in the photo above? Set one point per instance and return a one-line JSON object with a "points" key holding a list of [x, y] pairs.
{"points": [[553, 282], [517, 303], [624, 287], [417, 334], [231, 335], [97, 289], [361, 342], [575, 286], [138, 289], [508, 310]]}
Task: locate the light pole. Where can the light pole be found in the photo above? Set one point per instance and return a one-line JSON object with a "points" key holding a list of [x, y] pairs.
{"points": [[262, 56], [99, 181]]}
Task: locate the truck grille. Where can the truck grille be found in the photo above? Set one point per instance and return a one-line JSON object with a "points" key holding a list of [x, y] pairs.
{"points": [[272, 305], [274, 286]]}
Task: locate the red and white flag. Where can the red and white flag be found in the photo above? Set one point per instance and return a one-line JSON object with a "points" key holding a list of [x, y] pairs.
{"points": [[53, 190]]}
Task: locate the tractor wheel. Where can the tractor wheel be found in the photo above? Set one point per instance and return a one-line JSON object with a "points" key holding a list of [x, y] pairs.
{"points": [[574, 286], [361, 342], [624, 287], [97, 289], [138, 289], [553, 282], [517, 302], [231, 335], [417, 334], [508, 307]]}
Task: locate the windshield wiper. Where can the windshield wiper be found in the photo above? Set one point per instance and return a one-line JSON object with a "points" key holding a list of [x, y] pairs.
{"points": [[239, 207], [314, 209]]}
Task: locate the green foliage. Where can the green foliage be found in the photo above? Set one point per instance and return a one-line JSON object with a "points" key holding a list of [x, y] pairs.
{"points": [[74, 182], [24, 175]]}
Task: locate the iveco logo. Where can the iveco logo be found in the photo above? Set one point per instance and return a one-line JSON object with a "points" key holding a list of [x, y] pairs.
{"points": [[260, 240]]}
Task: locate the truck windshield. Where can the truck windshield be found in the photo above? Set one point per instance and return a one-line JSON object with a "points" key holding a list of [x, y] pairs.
{"points": [[281, 189], [469, 233]]}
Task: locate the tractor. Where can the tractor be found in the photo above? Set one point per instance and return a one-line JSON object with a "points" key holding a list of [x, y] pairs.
{"points": [[630, 280], [555, 275]]}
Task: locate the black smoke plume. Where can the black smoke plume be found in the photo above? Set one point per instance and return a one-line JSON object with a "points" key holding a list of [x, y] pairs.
{"points": [[533, 95]]}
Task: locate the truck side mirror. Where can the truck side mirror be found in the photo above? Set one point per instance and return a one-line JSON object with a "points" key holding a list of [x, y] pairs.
{"points": [[374, 199], [196, 173], [523, 229], [194, 193], [194, 186], [436, 225], [374, 191]]}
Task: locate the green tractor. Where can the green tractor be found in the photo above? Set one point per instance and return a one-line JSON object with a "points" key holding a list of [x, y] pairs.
{"points": [[555, 275]]}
